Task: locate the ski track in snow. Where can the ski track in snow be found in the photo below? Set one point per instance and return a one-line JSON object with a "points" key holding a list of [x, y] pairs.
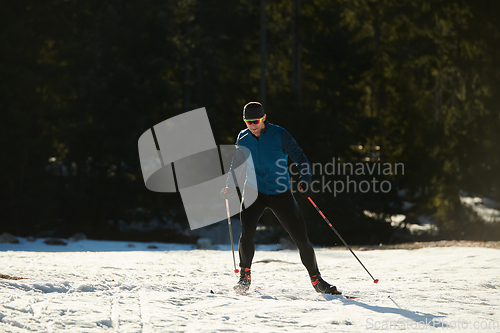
{"points": [[176, 289]]}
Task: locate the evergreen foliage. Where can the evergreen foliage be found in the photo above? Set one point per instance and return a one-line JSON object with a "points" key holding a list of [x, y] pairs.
{"points": [[412, 82]]}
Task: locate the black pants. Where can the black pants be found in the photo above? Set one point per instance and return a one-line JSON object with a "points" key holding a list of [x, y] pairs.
{"points": [[287, 211]]}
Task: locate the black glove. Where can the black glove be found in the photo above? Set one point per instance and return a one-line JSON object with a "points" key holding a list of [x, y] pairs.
{"points": [[304, 189], [227, 192]]}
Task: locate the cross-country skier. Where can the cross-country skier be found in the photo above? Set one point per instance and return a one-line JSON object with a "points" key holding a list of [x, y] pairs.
{"points": [[270, 145]]}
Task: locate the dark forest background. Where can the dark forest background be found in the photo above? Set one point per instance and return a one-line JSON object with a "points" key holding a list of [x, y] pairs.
{"points": [[413, 82]]}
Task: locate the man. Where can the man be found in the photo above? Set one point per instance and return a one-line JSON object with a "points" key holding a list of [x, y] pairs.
{"points": [[270, 145]]}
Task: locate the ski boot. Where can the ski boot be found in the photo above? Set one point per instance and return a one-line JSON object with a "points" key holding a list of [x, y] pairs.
{"points": [[323, 287], [244, 283]]}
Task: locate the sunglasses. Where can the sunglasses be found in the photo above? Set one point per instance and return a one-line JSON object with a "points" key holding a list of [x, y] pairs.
{"points": [[253, 121]]}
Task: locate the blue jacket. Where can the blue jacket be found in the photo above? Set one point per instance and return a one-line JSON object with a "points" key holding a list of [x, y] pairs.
{"points": [[269, 154]]}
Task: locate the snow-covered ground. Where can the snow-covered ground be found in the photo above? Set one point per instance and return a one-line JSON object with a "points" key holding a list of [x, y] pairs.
{"points": [[93, 286]]}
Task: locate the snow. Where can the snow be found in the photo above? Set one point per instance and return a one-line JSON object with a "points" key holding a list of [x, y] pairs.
{"points": [[426, 224], [485, 208], [97, 286]]}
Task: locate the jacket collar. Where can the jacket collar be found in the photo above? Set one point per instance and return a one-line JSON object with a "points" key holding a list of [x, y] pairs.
{"points": [[262, 132], [265, 128]]}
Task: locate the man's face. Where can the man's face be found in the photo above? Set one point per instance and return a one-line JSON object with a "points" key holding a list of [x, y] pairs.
{"points": [[256, 128]]}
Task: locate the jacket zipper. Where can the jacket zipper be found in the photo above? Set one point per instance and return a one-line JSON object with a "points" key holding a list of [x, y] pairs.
{"points": [[260, 166]]}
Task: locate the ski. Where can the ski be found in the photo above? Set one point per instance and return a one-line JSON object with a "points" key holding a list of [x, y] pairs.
{"points": [[241, 292], [246, 292], [343, 296], [339, 293]]}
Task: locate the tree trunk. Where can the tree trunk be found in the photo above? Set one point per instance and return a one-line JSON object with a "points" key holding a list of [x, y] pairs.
{"points": [[262, 52], [296, 51], [187, 87]]}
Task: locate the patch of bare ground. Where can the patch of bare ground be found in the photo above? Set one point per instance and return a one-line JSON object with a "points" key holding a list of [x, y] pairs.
{"points": [[8, 277]]}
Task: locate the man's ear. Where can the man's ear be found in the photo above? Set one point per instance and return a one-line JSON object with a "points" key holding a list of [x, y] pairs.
{"points": [[264, 117]]}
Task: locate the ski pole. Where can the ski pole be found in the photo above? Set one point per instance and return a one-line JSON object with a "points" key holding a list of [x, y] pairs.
{"points": [[236, 271], [343, 241]]}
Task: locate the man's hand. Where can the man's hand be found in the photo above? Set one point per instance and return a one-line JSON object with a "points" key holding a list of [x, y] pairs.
{"points": [[304, 189], [227, 192]]}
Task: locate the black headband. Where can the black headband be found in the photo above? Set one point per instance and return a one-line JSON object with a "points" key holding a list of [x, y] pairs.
{"points": [[253, 112]]}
